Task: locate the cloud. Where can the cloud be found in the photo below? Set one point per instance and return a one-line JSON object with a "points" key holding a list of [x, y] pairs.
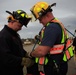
{"points": [[65, 10], [69, 23]]}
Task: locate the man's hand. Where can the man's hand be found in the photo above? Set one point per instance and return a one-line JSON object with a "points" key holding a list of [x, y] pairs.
{"points": [[27, 62], [37, 37]]}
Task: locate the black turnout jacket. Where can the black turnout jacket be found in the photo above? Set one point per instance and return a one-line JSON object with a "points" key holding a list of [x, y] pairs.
{"points": [[11, 52]]}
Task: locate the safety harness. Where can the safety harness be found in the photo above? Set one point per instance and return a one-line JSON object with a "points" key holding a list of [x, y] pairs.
{"points": [[65, 46]]}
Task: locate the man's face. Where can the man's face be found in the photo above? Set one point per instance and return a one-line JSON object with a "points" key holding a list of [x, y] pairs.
{"points": [[43, 20], [17, 26]]}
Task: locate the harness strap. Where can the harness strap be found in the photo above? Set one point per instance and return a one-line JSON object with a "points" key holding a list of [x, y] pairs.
{"points": [[57, 21]]}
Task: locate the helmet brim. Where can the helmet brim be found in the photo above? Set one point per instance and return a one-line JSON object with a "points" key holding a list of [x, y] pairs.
{"points": [[27, 21], [54, 4]]}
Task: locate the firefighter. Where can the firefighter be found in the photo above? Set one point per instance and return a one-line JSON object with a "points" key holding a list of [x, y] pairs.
{"points": [[51, 54], [12, 55]]}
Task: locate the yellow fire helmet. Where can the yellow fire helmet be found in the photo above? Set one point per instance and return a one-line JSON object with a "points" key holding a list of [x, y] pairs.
{"points": [[41, 8], [19, 15]]}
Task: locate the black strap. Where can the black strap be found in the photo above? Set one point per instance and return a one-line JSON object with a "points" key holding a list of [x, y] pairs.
{"points": [[65, 44]]}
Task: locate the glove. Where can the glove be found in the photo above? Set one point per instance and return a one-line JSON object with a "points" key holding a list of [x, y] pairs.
{"points": [[27, 62]]}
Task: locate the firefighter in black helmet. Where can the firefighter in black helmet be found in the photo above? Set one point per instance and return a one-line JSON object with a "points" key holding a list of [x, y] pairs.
{"points": [[19, 15], [12, 55]]}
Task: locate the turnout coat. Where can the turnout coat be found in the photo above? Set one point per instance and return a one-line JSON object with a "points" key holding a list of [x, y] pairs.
{"points": [[11, 52]]}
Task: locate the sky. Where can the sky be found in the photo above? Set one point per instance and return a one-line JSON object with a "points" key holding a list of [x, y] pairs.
{"points": [[65, 11]]}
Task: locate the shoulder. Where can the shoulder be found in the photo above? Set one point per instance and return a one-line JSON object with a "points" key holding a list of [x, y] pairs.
{"points": [[54, 27], [4, 33]]}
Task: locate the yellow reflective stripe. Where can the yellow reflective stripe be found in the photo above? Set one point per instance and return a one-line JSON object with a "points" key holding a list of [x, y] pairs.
{"points": [[64, 57], [47, 24], [46, 61], [42, 34], [36, 60], [70, 49], [62, 41], [18, 11], [63, 36], [63, 31], [23, 15]]}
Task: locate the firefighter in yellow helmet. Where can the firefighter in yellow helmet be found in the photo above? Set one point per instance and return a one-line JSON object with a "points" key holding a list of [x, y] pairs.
{"points": [[49, 55], [12, 55]]}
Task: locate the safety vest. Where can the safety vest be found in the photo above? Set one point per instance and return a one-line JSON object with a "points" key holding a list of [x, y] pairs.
{"points": [[65, 46]]}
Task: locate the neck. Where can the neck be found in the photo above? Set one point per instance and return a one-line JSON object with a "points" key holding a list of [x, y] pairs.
{"points": [[50, 16], [10, 25]]}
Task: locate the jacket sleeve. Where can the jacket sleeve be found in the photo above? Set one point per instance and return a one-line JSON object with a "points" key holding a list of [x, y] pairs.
{"points": [[7, 58]]}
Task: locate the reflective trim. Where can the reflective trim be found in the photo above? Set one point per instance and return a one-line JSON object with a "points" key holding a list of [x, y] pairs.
{"points": [[57, 49], [41, 60], [56, 52], [36, 60], [69, 51], [67, 54]]}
